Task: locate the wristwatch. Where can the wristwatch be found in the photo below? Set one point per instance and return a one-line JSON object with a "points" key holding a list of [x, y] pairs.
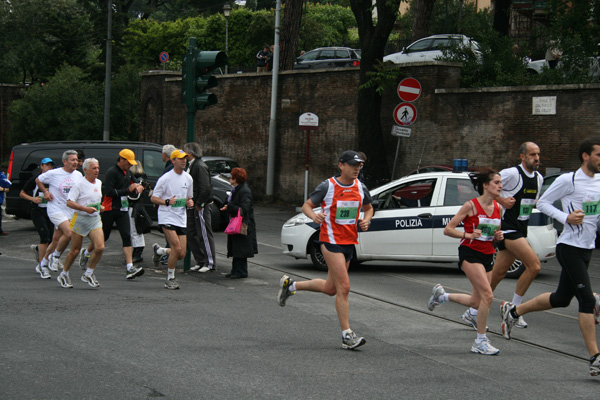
{"points": [[167, 202]]}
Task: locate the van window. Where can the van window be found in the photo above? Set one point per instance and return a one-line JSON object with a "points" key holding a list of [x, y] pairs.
{"points": [[153, 163], [32, 161]]}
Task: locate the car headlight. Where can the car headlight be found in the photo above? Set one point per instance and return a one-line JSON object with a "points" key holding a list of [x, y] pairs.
{"points": [[299, 219]]}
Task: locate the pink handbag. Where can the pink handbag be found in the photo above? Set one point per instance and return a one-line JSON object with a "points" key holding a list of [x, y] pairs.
{"points": [[236, 226]]}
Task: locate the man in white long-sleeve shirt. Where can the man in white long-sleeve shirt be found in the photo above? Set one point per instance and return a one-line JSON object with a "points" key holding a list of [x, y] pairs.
{"points": [[579, 193]]}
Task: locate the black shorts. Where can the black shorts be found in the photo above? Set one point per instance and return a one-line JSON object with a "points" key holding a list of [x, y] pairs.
{"points": [[510, 236], [178, 229], [475, 257], [346, 249]]}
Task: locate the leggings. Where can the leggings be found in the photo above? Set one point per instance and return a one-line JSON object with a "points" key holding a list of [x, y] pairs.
{"points": [[123, 225], [574, 279]]}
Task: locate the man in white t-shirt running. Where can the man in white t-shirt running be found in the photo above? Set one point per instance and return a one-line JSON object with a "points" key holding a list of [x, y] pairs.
{"points": [[173, 194], [579, 193], [60, 182], [86, 199]]}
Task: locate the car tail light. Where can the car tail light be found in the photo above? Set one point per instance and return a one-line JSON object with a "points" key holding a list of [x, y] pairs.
{"points": [[10, 166], [356, 63]]}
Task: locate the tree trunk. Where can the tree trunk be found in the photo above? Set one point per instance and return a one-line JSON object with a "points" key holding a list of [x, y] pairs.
{"points": [[502, 16], [290, 30], [422, 15], [373, 38]]}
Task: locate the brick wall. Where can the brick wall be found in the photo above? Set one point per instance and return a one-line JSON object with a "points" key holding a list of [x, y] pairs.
{"points": [[484, 125]]}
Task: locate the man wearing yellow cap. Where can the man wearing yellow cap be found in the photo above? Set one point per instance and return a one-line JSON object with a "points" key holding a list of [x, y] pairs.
{"points": [[173, 194], [118, 184]]}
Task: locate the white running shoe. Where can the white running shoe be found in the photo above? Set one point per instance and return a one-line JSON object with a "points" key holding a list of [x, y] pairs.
{"points": [[195, 268], [43, 271], [134, 272], [155, 255], [438, 290], [595, 367], [351, 341], [54, 263], [34, 248], [521, 323], [508, 321], [64, 281], [484, 347], [90, 280], [83, 259]]}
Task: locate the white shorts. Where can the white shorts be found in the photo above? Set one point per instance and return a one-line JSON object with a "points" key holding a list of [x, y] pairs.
{"points": [[83, 225], [58, 219]]}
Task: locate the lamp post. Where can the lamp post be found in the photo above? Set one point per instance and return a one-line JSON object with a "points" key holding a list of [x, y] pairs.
{"points": [[226, 14]]}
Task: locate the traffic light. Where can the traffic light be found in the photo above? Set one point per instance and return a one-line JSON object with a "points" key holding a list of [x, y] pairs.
{"points": [[197, 78]]}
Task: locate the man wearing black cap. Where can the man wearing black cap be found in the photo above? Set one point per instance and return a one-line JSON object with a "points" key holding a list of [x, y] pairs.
{"points": [[341, 199], [39, 212]]}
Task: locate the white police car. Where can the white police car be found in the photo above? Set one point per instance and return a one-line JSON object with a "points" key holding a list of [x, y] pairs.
{"points": [[410, 216]]}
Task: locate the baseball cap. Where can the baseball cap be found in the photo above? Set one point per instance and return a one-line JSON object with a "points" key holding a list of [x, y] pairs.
{"points": [[47, 160], [128, 155], [178, 154], [350, 157]]}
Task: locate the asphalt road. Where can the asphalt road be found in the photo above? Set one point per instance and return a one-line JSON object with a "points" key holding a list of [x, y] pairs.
{"points": [[221, 339]]}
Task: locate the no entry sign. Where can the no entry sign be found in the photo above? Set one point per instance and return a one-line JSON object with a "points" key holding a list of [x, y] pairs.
{"points": [[409, 89], [405, 114]]}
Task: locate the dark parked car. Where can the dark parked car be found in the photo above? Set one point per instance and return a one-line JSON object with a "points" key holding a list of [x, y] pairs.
{"points": [[219, 165], [25, 158], [328, 57]]}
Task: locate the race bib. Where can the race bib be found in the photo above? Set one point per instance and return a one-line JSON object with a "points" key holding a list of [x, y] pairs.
{"points": [[488, 227], [179, 203], [124, 203], [591, 204], [95, 205], [44, 201], [526, 208], [346, 212]]}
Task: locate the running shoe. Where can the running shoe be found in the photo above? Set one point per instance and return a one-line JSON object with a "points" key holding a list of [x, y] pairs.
{"points": [[43, 271], [171, 284], [83, 259], [206, 268], [508, 321], [484, 347], [34, 248], [438, 290], [595, 366], [135, 272], [164, 260], [469, 319], [90, 280], [155, 256], [284, 290], [350, 341], [54, 263], [597, 309], [521, 323], [64, 281], [195, 268]]}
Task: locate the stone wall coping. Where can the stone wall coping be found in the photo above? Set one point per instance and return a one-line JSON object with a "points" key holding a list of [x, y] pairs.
{"points": [[532, 88]]}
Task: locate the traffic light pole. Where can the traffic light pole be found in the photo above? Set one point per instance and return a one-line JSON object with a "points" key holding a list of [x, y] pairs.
{"points": [[191, 120]]}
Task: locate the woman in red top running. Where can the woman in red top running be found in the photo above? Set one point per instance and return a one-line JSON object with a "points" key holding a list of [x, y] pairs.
{"points": [[481, 217]]}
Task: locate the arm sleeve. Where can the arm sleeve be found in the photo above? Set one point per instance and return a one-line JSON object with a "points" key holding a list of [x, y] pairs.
{"points": [[111, 182], [561, 187], [245, 200], [367, 200], [30, 186], [319, 193], [510, 180], [74, 193]]}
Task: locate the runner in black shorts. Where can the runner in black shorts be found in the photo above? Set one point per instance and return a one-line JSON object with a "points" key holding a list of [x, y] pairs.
{"points": [[579, 193], [481, 218]]}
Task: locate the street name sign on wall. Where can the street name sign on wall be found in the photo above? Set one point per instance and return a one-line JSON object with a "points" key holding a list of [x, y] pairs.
{"points": [[409, 89], [544, 105], [401, 131]]}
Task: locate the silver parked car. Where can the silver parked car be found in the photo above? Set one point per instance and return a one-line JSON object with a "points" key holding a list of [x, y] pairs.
{"points": [[431, 48]]}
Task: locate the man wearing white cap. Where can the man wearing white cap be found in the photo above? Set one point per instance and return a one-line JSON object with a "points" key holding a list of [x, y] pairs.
{"points": [[118, 184], [173, 194]]}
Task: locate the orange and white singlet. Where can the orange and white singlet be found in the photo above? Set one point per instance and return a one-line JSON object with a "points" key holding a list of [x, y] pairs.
{"points": [[341, 206]]}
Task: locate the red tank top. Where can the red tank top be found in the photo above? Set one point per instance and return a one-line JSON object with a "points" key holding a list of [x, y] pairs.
{"points": [[341, 206], [488, 226]]}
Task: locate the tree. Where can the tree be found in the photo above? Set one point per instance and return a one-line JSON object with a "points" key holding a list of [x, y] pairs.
{"points": [[502, 16], [290, 29], [373, 36], [422, 12]]}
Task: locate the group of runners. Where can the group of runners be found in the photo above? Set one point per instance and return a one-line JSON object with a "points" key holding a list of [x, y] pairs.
{"points": [[68, 206], [499, 214]]}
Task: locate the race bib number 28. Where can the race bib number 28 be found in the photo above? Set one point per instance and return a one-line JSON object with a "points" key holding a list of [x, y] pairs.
{"points": [[346, 212]]}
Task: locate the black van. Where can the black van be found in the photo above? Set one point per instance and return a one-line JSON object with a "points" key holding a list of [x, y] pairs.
{"points": [[25, 159]]}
